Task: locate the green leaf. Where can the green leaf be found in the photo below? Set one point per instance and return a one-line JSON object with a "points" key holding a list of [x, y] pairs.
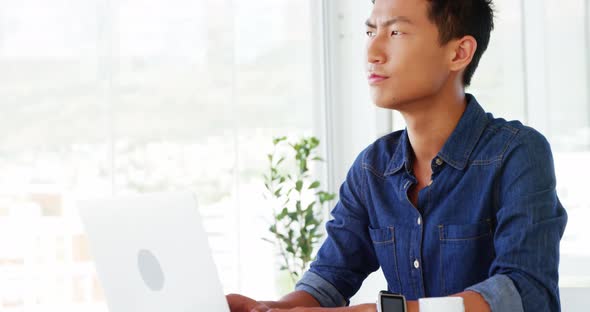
{"points": [[318, 158], [278, 140], [314, 141], [309, 217], [293, 216], [303, 166], [321, 196], [284, 238], [283, 214], [324, 197], [278, 192], [315, 184], [304, 249], [310, 206], [269, 157], [298, 185], [290, 249]]}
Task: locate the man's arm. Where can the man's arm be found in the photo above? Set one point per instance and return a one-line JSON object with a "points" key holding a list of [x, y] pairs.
{"points": [[473, 302], [530, 224], [239, 303], [298, 298], [347, 256], [301, 301]]}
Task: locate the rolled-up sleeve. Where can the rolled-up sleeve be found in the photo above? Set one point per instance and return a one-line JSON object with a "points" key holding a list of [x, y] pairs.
{"points": [[346, 257], [500, 293], [530, 224], [324, 292]]}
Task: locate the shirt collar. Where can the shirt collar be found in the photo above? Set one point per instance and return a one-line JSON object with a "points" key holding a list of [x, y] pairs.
{"points": [[458, 147]]}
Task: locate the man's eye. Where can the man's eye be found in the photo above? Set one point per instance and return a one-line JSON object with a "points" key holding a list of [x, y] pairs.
{"points": [[396, 33], [370, 33]]}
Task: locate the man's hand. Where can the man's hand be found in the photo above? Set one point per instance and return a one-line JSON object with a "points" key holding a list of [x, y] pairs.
{"points": [[239, 303], [358, 308], [298, 298], [369, 307]]}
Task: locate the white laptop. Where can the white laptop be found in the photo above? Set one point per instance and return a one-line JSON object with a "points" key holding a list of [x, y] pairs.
{"points": [[152, 254]]}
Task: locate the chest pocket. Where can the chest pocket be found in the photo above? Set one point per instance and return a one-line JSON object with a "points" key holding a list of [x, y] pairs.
{"points": [[466, 254], [385, 249]]}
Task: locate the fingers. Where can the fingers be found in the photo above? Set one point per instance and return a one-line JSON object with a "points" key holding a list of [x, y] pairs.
{"points": [[239, 303], [233, 300], [260, 308]]}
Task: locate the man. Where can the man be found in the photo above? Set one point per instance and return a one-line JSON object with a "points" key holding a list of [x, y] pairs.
{"points": [[459, 203]]}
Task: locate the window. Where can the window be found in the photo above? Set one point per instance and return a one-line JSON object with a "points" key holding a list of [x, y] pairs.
{"points": [[568, 127], [114, 97]]}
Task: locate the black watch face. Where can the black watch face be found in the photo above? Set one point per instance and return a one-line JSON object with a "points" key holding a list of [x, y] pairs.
{"points": [[392, 304]]}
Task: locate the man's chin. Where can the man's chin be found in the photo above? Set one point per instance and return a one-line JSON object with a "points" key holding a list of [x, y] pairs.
{"points": [[398, 101], [385, 102]]}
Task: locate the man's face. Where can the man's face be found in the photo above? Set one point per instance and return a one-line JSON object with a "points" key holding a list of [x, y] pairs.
{"points": [[403, 45]]}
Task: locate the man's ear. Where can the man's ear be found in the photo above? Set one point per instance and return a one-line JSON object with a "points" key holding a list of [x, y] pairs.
{"points": [[462, 53]]}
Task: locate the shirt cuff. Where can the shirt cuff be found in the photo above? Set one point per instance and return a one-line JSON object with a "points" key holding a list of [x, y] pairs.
{"points": [[500, 293], [324, 292]]}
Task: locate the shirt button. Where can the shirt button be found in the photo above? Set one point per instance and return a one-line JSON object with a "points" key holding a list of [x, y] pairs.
{"points": [[438, 161], [416, 264], [419, 221]]}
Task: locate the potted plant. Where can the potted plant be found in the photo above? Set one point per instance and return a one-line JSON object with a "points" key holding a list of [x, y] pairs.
{"points": [[298, 203]]}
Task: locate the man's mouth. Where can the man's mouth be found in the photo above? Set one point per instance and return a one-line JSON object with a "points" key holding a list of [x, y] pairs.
{"points": [[376, 78]]}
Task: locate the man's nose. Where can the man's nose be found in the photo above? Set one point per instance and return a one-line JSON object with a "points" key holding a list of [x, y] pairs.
{"points": [[375, 51]]}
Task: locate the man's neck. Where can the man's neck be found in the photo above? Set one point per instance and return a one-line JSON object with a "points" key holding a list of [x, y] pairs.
{"points": [[431, 121]]}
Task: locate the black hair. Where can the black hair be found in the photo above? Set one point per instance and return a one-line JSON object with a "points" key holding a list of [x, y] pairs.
{"points": [[457, 18]]}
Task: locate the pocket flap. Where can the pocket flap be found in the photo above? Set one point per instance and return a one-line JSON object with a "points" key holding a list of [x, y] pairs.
{"points": [[465, 231], [382, 235]]}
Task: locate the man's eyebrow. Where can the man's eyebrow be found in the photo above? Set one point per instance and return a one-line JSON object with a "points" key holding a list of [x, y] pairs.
{"points": [[394, 20]]}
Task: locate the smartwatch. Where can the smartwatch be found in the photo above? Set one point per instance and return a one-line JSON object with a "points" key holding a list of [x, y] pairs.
{"points": [[390, 302]]}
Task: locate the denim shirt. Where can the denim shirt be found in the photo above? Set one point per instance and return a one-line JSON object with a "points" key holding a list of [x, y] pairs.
{"points": [[490, 221]]}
